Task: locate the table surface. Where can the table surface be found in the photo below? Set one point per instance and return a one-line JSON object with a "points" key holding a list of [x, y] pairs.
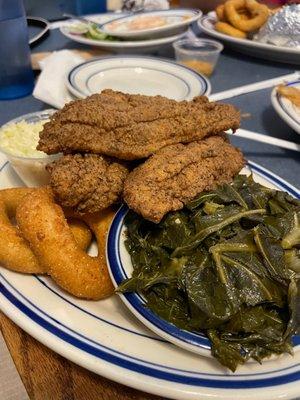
{"points": [[47, 375]]}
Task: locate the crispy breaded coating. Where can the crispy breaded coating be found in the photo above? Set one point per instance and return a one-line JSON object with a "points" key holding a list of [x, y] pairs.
{"points": [[133, 126], [87, 183], [177, 173]]}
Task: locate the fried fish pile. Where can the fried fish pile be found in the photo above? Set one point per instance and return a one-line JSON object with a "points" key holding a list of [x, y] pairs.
{"points": [[155, 152]]}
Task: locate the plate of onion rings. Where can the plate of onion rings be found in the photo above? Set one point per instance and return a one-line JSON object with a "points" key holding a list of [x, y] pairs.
{"points": [[248, 46]]}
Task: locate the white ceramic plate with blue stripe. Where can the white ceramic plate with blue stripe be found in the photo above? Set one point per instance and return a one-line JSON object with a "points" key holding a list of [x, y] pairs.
{"points": [[106, 338], [137, 75], [286, 109]]}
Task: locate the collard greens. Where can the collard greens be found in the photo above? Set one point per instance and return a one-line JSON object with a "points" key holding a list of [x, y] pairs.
{"points": [[226, 265]]}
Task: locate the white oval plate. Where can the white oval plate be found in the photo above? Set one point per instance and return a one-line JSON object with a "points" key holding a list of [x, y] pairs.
{"points": [[251, 47], [178, 20], [286, 109], [107, 339], [118, 46], [137, 75]]}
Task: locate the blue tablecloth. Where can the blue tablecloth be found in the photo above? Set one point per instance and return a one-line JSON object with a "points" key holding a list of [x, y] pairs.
{"points": [[234, 69]]}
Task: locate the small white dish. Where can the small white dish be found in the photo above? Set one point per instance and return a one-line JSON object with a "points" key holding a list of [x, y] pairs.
{"points": [[137, 75], [152, 24], [250, 47], [31, 170], [286, 109], [119, 46]]}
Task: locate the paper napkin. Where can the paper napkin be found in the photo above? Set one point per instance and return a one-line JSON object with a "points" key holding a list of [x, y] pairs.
{"points": [[51, 84]]}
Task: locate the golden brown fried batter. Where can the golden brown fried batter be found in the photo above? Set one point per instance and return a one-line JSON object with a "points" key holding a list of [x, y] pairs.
{"points": [[87, 183], [133, 126], [15, 252], [291, 93], [43, 225], [177, 173]]}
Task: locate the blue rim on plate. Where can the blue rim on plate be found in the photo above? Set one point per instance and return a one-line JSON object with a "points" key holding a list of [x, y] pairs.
{"points": [[205, 87], [57, 335], [283, 106], [103, 353], [196, 342]]}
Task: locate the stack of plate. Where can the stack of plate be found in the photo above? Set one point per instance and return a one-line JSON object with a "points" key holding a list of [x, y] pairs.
{"points": [[137, 75], [138, 33]]}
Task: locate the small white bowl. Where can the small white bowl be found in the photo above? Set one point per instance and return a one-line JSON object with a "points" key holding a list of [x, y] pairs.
{"points": [[32, 170]]}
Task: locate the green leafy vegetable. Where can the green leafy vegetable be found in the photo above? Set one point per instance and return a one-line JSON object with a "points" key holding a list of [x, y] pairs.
{"points": [[228, 193], [96, 34], [214, 223], [227, 265], [272, 254], [292, 260], [292, 233]]}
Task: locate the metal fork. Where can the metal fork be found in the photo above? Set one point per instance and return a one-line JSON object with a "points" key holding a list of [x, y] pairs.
{"points": [[88, 21]]}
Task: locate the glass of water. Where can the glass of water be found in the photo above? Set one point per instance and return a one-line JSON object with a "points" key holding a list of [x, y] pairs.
{"points": [[16, 75]]}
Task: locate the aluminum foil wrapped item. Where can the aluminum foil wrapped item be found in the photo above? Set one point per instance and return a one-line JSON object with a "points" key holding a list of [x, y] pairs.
{"points": [[282, 28]]}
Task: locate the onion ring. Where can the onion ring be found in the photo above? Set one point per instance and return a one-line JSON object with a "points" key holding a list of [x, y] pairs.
{"points": [[220, 12], [259, 12], [43, 224], [82, 234], [226, 28], [244, 14], [15, 252]]}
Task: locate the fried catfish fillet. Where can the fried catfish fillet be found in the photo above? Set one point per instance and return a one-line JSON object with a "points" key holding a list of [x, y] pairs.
{"points": [[132, 127], [177, 173], [87, 183]]}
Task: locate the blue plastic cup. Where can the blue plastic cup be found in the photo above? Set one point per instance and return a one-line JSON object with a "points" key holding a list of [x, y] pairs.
{"points": [[16, 75]]}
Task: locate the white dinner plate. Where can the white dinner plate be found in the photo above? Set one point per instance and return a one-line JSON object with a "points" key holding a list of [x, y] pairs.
{"points": [[286, 109], [251, 47], [137, 75], [176, 20], [104, 337], [118, 46]]}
